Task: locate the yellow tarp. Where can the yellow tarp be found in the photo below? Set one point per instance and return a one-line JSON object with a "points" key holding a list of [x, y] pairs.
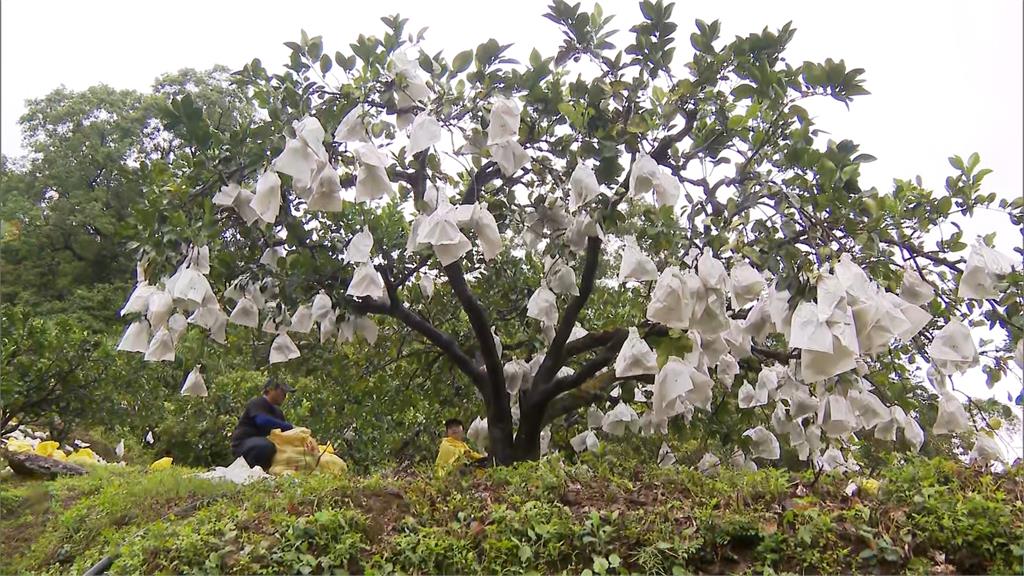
{"points": [[293, 455], [162, 464], [14, 445], [83, 456], [51, 449]]}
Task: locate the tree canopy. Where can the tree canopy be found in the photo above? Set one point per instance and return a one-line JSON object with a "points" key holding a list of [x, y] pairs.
{"points": [[606, 228]]}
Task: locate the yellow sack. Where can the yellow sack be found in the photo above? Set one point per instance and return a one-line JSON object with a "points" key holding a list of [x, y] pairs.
{"points": [[292, 456], [162, 464], [51, 449], [15, 445], [83, 456]]}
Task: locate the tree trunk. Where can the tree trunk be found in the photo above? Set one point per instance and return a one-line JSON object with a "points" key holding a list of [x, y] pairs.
{"points": [[527, 444]]}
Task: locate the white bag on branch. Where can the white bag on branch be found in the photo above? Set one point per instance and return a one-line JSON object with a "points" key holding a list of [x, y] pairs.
{"points": [[410, 88], [219, 329], [321, 308], [245, 313], [594, 417], [161, 347], [836, 416], [817, 366], [352, 127], [195, 384], [584, 441], [271, 256], [914, 288], [283, 349], [669, 304], [504, 121], [952, 349], [329, 327], [176, 325], [618, 419], [159, 309], [635, 264], [673, 382], [359, 247], [138, 302], [727, 370], [448, 253], [227, 194], [486, 228], [517, 373], [985, 451], [561, 278], [296, 160], [645, 175], [302, 320], [426, 286], [750, 397], [510, 156], [857, 284], [913, 433], [763, 444], [952, 418], [372, 177], [136, 337], [542, 306], [635, 357], [777, 305], [583, 186], [327, 189], [579, 230], [869, 408], [478, 434], [746, 284], [808, 331], [368, 329], [577, 332], [366, 283], [699, 396], [984, 267], [425, 132], [267, 201], [243, 205], [711, 272]]}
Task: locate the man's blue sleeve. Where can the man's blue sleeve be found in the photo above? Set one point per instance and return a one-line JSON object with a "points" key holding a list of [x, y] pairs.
{"points": [[267, 423]]}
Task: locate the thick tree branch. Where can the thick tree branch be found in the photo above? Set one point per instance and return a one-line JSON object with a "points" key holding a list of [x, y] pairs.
{"points": [[555, 356], [591, 367], [591, 341], [481, 325], [489, 171]]}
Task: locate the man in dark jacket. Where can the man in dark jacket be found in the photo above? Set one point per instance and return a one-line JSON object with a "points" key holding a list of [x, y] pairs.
{"points": [[262, 415]]}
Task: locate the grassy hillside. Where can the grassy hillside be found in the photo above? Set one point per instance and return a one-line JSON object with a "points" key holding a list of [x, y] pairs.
{"points": [[926, 516]]}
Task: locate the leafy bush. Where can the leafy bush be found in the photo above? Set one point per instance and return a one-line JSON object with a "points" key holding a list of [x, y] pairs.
{"points": [[547, 517]]}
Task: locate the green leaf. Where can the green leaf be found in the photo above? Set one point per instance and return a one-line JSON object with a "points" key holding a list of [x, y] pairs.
{"points": [[462, 61], [325, 64]]}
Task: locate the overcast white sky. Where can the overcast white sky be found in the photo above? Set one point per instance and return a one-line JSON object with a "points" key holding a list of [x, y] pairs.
{"points": [[945, 76]]}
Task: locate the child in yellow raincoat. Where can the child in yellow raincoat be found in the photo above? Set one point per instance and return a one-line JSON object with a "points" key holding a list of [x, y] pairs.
{"points": [[454, 451]]}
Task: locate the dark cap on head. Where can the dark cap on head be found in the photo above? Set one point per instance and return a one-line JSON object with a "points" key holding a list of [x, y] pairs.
{"points": [[273, 383]]}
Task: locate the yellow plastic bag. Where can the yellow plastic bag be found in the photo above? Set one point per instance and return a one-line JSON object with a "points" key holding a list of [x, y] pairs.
{"points": [[162, 464], [292, 456], [51, 449], [15, 445], [83, 456]]}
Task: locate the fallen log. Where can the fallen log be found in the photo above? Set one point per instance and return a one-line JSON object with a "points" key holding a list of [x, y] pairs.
{"points": [[29, 464]]}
